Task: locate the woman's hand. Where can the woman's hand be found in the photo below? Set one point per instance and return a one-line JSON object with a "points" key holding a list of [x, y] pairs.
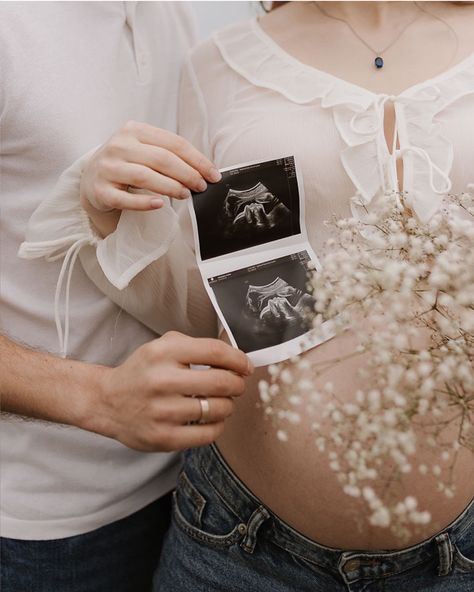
{"points": [[149, 402], [140, 156]]}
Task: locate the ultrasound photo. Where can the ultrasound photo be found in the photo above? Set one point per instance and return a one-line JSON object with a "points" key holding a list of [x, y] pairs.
{"points": [[250, 206], [266, 304]]}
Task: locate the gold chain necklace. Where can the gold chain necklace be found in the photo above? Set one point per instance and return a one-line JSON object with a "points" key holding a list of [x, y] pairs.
{"points": [[378, 61]]}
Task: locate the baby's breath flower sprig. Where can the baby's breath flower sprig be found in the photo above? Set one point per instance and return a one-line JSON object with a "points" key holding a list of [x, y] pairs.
{"points": [[405, 290]]}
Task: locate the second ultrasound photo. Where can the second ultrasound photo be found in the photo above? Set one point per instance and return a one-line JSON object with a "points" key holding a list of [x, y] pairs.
{"points": [[267, 304], [250, 206]]}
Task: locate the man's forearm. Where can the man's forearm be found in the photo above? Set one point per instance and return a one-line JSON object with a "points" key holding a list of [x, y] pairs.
{"points": [[146, 403], [42, 386]]}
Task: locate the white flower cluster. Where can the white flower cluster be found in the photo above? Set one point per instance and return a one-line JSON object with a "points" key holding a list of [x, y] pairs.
{"points": [[405, 289]]}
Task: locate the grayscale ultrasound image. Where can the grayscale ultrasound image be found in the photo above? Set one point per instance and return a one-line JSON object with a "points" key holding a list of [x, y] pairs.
{"points": [[250, 206], [267, 304], [277, 303], [252, 210]]}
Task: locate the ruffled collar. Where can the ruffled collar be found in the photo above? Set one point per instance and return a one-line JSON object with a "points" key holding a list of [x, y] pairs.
{"points": [[358, 115], [251, 52]]}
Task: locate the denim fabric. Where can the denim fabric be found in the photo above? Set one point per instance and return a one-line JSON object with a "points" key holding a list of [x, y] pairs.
{"points": [[223, 539], [119, 557]]}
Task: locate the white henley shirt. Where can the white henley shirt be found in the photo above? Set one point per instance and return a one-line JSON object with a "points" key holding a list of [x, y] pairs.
{"points": [[72, 73]]}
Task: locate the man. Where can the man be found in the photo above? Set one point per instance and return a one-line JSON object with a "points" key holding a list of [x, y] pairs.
{"points": [[84, 507]]}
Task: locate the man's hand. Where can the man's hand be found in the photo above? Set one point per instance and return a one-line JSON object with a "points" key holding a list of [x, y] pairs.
{"points": [[144, 157], [147, 402]]}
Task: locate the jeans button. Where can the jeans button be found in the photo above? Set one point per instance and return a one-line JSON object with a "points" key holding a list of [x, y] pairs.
{"points": [[242, 528]]}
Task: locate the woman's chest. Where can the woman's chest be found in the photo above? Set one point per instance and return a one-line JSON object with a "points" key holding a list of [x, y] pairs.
{"points": [[419, 144]]}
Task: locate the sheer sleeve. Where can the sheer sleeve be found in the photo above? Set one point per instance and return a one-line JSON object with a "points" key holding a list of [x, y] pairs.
{"points": [[147, 265]]}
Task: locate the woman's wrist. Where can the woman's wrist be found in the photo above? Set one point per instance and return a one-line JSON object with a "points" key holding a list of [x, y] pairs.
{"points": [[104, 223]]}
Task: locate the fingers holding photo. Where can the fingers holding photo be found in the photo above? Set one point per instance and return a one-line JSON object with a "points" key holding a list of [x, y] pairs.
{"points": [[151, 398], [147, 134], [203, 351], [157, 162]]}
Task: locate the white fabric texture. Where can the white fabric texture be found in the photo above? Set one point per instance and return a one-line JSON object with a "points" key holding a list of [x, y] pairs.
{"points": [[72, 74], [75, 231], [158, 295]]}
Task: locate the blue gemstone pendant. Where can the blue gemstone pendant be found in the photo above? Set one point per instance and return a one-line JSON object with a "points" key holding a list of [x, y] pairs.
{"points": [[378, 62]]}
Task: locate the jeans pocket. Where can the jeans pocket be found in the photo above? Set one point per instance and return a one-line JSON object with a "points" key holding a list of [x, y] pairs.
{"points": [[204, 517], [464, 555]]}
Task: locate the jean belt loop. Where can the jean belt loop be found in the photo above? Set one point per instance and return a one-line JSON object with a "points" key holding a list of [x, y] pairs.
{"points": [[256, 520], [445, 554]]}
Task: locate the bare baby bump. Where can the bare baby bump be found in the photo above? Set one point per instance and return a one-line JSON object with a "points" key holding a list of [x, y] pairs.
{"points": [[294, 479]]}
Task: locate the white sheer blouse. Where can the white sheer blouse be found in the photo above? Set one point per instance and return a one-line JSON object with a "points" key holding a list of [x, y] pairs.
{"points": [[242, 99]]}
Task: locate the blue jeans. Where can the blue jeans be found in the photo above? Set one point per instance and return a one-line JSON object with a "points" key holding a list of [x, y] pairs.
{"points": [[119, 557], [223, 539]]}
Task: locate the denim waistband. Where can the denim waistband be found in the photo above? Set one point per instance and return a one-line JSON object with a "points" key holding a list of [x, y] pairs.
{"points": [[352, 565]]}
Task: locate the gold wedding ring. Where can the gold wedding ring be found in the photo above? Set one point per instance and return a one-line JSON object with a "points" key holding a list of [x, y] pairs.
{"points": [[205, 408]]}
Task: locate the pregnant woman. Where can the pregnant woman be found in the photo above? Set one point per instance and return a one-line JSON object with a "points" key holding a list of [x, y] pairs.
{"points": [[369, 97]]}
